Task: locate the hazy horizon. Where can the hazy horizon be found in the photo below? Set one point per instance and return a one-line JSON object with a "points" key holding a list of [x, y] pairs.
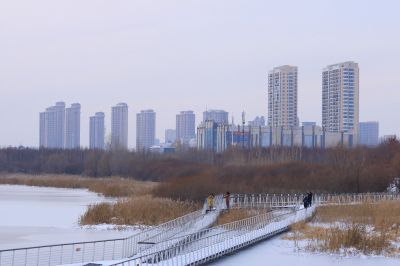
{"points": [[188, 55]]}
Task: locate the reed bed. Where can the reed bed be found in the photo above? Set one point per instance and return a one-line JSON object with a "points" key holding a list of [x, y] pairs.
{"points": [[141, 210], [368, 228], [109, 187]]}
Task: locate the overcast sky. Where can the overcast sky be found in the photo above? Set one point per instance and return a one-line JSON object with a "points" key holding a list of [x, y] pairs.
{"points": [[188, 55]]}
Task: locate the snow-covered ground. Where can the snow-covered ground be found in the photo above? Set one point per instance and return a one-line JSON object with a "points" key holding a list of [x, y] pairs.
{"points": [[31, 216], [278, 251]]}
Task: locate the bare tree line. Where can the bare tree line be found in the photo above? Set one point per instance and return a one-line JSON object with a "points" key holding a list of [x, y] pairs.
{"points": [[192, 174]]}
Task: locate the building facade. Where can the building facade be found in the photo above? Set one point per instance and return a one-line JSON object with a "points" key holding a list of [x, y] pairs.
{"points": [[185, 127], [368, 133], [119, 126], [219, 138], [145, 129], [340, 98], [170, 135], [96, 131], [218, 116], [73, 126], [282, 97], [52, 127]]}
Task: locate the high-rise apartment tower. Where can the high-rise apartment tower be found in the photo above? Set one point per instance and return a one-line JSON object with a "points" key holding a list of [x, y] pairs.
{"points": [[97, 131], [73, 126], [282, 97], [52, 127], [145, 129], [119, 126], [340, 98], [185, 126]]}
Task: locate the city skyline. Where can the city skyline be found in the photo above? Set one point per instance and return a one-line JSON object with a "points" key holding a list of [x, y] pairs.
{"points": [[142, 54]]}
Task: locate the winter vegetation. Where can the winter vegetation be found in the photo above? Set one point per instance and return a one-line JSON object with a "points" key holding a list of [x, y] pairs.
{"points": [[137, 210], [108, 187], [193, 174], [369, 228]]}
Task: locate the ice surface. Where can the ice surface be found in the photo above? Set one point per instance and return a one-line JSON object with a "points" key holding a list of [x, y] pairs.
{"points": [[31, 216]]}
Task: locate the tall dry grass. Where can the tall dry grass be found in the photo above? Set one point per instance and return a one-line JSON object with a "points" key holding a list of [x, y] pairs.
{"points": [[143, 210], [370, 228], [109, 187]]}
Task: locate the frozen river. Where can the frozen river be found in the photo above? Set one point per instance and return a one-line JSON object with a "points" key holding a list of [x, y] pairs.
{"points": [[31, 216]]}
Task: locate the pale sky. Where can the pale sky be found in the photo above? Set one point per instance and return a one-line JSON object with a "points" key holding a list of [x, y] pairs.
{"points": [[171, 55]]}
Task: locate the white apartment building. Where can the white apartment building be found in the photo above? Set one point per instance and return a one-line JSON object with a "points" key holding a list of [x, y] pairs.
{"points": [[185, 126], [119, 126], [52, 127], [145, 129], [73, 126], [282, 97], [340, 98], [96, 131]]}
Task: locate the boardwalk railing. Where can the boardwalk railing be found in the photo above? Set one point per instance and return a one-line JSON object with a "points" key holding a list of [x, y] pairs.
{"points": [[290, 200], [175, 233], [79, 252], [197, 249]]}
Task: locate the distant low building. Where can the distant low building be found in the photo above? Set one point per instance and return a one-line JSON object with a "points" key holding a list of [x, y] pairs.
{"points": [[170, 135], [258, 121], [368, 133], [212, 136]]}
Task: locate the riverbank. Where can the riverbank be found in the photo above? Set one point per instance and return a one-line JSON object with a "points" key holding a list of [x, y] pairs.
{"points": [[32, 216], [137, 202], [371, 229]]}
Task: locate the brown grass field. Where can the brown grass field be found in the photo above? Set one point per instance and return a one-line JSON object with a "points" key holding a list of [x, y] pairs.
{"points": [[109, 187], [370, 228]]}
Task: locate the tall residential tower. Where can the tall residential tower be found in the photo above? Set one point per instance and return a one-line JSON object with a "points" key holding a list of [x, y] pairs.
{"points": [[282, 97], [340, 98], [119, 126], [52, 127], [97, 131], [73, 126], [145, 129], [185, 126]]}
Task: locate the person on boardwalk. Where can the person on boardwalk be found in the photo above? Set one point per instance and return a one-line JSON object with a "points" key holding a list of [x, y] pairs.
{"points": [[210, 201], [309, 196], [305, 201], [227, 199]]}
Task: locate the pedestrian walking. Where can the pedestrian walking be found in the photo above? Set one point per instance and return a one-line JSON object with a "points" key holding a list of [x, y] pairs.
{"points": [[227, 199], [210, 201], [310, 198], [305, 202]]}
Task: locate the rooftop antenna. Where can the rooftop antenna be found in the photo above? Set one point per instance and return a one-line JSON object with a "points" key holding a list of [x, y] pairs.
{"points": [[243, 123]]}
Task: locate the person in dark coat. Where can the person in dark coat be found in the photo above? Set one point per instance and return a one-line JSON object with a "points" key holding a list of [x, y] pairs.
{"points": [[310, 197], [305, 202]]}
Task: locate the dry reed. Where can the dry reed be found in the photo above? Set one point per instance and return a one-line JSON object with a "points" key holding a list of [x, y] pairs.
{"points": [[109, 187], [143, 210], [370, 228]]}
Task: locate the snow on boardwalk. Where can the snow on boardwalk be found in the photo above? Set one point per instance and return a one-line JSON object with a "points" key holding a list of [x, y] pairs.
{"points": [[211, 247]]}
